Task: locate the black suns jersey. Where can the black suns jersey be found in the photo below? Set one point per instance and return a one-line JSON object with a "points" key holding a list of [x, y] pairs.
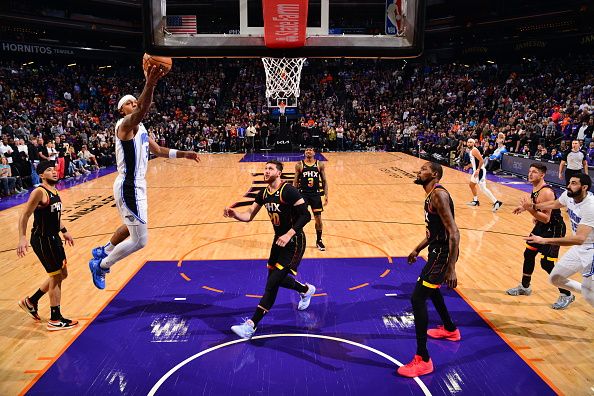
{"points": [[310, 182], [280, 206], [46, 219], [556, 216], [436, 231]]}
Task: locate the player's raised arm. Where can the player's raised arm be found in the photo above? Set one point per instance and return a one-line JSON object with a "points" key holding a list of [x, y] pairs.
{"points": [[128, 126]]}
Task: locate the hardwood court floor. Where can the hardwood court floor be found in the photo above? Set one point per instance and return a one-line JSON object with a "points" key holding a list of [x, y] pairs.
{"points": [[374, 210]]}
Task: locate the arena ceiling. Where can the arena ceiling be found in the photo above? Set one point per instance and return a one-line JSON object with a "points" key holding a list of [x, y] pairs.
{"points": [[450, 24]]}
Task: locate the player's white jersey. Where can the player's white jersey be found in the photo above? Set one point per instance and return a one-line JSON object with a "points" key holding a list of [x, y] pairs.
{"points": [[132, 156], [580, 213], [474, 160]]}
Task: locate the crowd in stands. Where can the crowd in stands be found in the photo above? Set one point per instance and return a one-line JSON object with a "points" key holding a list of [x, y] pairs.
{"points": [[53, 111]]}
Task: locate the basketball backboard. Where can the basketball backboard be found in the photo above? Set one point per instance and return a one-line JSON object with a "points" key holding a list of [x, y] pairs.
{"points": [[235, 28]]}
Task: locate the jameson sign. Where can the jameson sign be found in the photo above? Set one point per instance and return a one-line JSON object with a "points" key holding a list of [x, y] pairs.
{"points": [[56, 50]]}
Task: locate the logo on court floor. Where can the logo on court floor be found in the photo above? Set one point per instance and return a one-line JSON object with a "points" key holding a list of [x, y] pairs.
{"points": [[169, 328], [86, 206], [396, 172], [258, 185]]}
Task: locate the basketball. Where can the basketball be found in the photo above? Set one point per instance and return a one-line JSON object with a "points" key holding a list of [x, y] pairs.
{"points": [[151, 60]]}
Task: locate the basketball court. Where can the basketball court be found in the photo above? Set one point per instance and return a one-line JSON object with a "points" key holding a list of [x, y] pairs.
{"points": [[163, 323]]}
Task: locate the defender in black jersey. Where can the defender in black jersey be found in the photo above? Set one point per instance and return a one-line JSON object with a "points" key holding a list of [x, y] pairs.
{"points": [[442, 238], [310, 179], [548, 224], [46, 206], [288, 214]]}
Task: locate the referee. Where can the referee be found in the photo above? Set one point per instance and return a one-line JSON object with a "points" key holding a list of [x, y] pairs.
{"points": [[575, 159]]}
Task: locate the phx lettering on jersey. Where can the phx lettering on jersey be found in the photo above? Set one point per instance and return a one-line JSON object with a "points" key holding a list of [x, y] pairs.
{"points": [[56, 207], [272, 207], [258, 185], [311, 173]]}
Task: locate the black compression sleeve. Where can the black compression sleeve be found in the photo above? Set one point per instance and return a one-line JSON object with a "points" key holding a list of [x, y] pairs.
{"points": [[303, 219]]}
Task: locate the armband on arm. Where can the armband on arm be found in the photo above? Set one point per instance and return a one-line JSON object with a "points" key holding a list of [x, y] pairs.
{"points": [[303, 219], [172, 153]]}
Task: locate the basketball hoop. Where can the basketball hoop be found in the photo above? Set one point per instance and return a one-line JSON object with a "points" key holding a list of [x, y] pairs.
{"points": [[282, 81]]}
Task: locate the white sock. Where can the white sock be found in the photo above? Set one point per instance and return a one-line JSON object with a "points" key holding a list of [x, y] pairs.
{"points": [[487, 192], [108, 248], [475, 198], [138, 239]]}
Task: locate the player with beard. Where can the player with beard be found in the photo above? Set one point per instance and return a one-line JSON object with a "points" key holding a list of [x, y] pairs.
{"points": [[46, 206], [579, 202], [443, 239], [479, 176], [288, 214]]}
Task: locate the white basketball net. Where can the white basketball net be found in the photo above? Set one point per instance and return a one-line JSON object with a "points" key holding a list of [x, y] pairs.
{"points": [[282, 80]]}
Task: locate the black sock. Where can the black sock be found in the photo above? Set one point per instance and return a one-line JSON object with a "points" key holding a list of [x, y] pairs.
{"points": [[35, 297], [419, 305], [319, 234], [423, 353], [55, 313], [528, 267], [290, 283], [258, 315]]}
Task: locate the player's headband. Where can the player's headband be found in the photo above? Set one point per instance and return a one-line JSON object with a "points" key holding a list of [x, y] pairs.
{"points": [[124, 100]]}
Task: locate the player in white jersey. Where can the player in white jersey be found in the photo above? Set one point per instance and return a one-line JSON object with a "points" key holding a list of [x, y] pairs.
{"points": [[580, 257], [133, 145], [479, 176]]}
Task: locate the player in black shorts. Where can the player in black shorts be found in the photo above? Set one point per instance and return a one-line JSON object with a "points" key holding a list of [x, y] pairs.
{"points": [[443, 239], [45, 205], [310, 179], [548, 224], [288, 214]]}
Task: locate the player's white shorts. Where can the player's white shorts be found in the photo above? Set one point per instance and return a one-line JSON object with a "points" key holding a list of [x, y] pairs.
{"points": [[577, 260], [130, 198], [482, 177]]}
